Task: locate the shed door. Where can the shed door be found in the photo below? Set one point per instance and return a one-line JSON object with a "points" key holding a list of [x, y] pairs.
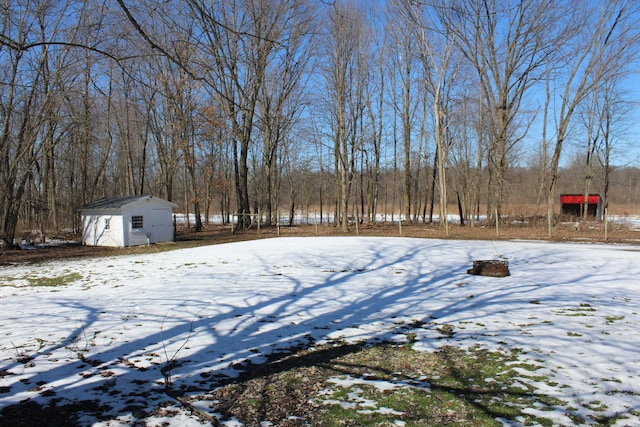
{"points": [[161, 225]]}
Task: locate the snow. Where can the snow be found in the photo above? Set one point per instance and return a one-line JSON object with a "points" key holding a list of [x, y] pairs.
{"points": [[572, 309]]}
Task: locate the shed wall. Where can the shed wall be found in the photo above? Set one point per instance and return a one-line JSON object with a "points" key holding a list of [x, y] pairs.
{"points": [[96, 233], [157, 223]]}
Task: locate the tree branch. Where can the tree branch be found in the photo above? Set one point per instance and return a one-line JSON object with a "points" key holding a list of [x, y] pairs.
{"points": [[153, 44], [12, 44]]}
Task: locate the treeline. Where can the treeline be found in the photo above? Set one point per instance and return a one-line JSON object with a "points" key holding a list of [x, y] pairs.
{"points": [[350, 107]]}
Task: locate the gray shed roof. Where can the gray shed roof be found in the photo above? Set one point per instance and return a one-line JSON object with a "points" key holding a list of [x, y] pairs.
{"points": [[115, 202]]}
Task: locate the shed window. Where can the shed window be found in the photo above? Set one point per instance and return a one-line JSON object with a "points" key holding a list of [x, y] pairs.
{"points": [[137, 221], [107, 225]]}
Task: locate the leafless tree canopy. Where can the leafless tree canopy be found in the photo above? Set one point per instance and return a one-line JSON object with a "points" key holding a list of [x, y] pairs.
{"points": [[343, 111]]}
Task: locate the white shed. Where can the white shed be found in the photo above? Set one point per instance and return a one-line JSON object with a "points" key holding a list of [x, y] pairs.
{"points": [[127, 221]]}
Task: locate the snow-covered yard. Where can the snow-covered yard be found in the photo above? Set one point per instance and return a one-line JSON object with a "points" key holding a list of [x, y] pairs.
{"points": [[107, 328]]}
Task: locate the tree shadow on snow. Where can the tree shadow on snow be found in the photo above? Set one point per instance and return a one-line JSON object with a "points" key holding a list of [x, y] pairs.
{"points": [[266, 332]]}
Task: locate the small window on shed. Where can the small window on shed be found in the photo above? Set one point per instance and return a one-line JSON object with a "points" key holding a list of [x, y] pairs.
{"points": [[137, 221], [107, 224]]}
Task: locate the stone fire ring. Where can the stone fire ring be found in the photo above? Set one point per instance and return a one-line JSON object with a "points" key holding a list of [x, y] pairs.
{"points": [[492, 268]]}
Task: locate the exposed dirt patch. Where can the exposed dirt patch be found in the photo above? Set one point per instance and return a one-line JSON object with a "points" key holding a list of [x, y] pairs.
{"points": [[279, 391], [29, 413], [42, 254]]}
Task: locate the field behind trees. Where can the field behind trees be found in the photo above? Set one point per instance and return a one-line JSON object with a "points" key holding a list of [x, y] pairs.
{"points": [[349, 109]]}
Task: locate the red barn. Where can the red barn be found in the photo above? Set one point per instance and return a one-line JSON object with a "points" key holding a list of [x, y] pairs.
{"points": [[573, 204]]}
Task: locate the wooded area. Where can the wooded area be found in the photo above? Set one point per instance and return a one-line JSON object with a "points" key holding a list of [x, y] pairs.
{"points": [[345, 108]]}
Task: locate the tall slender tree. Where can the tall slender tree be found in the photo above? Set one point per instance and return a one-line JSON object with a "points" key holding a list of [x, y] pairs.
{"points": [[345, 73], [437, 54]]}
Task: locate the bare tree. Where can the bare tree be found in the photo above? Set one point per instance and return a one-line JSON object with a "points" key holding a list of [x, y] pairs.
{"points": [[159, 92], [374, 99], [593, 136], [132, 129], [345, 79], [607, 119], [281, 100], [506, 43], [236, 42], [375, 111], [403, 61], [437, 55], [605, 43], [29, 94]]}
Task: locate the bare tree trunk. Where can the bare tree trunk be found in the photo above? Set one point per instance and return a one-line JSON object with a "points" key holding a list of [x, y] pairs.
{"points": [[337, 211], [345, 77], [443, 158], [406, 136], [592, 142], [434, 174]]}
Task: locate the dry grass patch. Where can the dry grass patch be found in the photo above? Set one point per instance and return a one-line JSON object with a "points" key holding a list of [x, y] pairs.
{"points": [[383, 385]]}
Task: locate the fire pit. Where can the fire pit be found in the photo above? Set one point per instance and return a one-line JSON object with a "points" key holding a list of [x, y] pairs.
{"points": [[492, 267]]}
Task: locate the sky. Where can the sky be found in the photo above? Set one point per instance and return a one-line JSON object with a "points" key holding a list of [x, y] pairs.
{"points": [[572, 308]]}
